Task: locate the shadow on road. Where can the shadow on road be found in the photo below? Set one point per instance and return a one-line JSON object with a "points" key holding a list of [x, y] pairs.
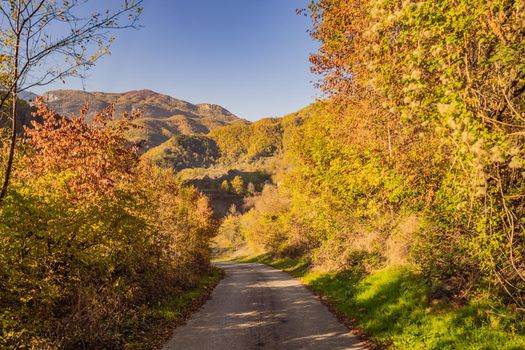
{"points": [[258, 307]]}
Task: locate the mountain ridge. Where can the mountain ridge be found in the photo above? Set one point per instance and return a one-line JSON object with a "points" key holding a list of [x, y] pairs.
{"points": [[143, 97], [163, 116]]}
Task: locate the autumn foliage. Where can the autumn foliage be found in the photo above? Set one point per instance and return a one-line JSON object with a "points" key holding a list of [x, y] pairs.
{"points": [[416, 156], [446, 80], [91, 236], [97, 153]]}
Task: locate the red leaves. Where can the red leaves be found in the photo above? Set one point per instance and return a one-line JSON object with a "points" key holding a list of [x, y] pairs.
{"points": [[94, 156]]}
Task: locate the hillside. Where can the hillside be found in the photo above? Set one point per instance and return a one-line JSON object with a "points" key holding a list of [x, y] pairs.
{"points": [[162, 116], [396, 198], [247, 154], [231, 144], [185, 151]]}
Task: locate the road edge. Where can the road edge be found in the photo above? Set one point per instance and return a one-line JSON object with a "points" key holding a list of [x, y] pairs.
{"points": [[159, 330]]}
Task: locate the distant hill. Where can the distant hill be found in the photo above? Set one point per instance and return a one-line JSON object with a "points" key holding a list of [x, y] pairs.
{"points": [[27, 96], [253, 152], [231, 144], [24, 116], [163, 115], [185, 151], [25, 109]]}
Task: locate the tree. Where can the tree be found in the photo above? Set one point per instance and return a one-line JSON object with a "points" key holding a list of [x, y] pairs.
{"points": [[238, 185], [97, 153], [35, 33], [442, 84], [251, 188], [86, 221], [225, 186]]}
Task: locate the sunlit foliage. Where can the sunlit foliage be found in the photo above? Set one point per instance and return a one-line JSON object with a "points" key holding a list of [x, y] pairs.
{"points": [[449, 78], [416, 156], [90, 236]]}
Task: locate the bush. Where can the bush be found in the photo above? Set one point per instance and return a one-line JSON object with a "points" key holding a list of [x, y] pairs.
{"points": [[90, 236]]}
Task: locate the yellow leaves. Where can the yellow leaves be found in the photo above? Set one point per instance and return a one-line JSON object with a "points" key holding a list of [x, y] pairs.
{"points": [[516, 163], [446, 109], [238, 185], [478, 147], [496, 154], [496, 25], [416, 74], [418, 53]]}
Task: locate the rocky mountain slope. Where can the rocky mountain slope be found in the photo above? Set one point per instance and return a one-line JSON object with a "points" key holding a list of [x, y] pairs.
{"points": [[162, 116]]}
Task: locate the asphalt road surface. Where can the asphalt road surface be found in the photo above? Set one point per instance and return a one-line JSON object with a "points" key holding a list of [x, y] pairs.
{"points": [[258, 307]]}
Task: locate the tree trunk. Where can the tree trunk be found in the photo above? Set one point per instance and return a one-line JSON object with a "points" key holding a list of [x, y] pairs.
{"points": [[14, 111], [11, 156]]}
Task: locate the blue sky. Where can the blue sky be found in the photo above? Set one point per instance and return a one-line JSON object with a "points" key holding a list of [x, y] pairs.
{"points": [[250, 56]]}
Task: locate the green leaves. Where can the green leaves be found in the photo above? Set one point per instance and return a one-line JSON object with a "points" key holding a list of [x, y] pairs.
{"points": [[81, 255]]}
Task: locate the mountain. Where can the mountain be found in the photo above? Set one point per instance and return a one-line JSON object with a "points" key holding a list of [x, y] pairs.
{"points": [[24, 116], [27, 96], [163, 116]]}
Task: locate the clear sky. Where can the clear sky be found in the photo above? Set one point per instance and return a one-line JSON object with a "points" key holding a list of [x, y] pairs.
{"points": [[250, 56]]}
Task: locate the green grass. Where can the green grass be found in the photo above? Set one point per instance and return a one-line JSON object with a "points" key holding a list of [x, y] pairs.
{"points": [[153, 327], [392, 307]]}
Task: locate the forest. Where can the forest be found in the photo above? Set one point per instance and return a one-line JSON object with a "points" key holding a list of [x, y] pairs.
{"points": [[397, 197], [406, 183]]}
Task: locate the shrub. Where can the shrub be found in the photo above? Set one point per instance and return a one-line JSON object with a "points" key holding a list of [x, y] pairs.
{"points": [[90, 236]]}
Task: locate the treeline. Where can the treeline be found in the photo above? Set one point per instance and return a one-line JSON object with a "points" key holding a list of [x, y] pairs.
{"points": [[91, 236], [185, 151], [417, 155], [260, 139]]}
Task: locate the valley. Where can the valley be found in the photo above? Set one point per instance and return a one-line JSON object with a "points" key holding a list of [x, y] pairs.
{"points": [[370, 193]]}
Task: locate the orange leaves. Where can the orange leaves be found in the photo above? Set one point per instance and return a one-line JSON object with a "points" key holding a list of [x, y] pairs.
{"points": [[96, 155], [339, 27], [93, 235]]}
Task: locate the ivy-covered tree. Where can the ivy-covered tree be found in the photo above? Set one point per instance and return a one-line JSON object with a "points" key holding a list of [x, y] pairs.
{"points": [[444, 84]]}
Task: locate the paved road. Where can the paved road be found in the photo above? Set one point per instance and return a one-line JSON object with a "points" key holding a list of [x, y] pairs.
{"points": [[257, 307]]}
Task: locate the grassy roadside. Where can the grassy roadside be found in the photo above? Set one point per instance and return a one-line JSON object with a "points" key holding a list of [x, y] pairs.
{"points": [[155, 325], [392, 308]]}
